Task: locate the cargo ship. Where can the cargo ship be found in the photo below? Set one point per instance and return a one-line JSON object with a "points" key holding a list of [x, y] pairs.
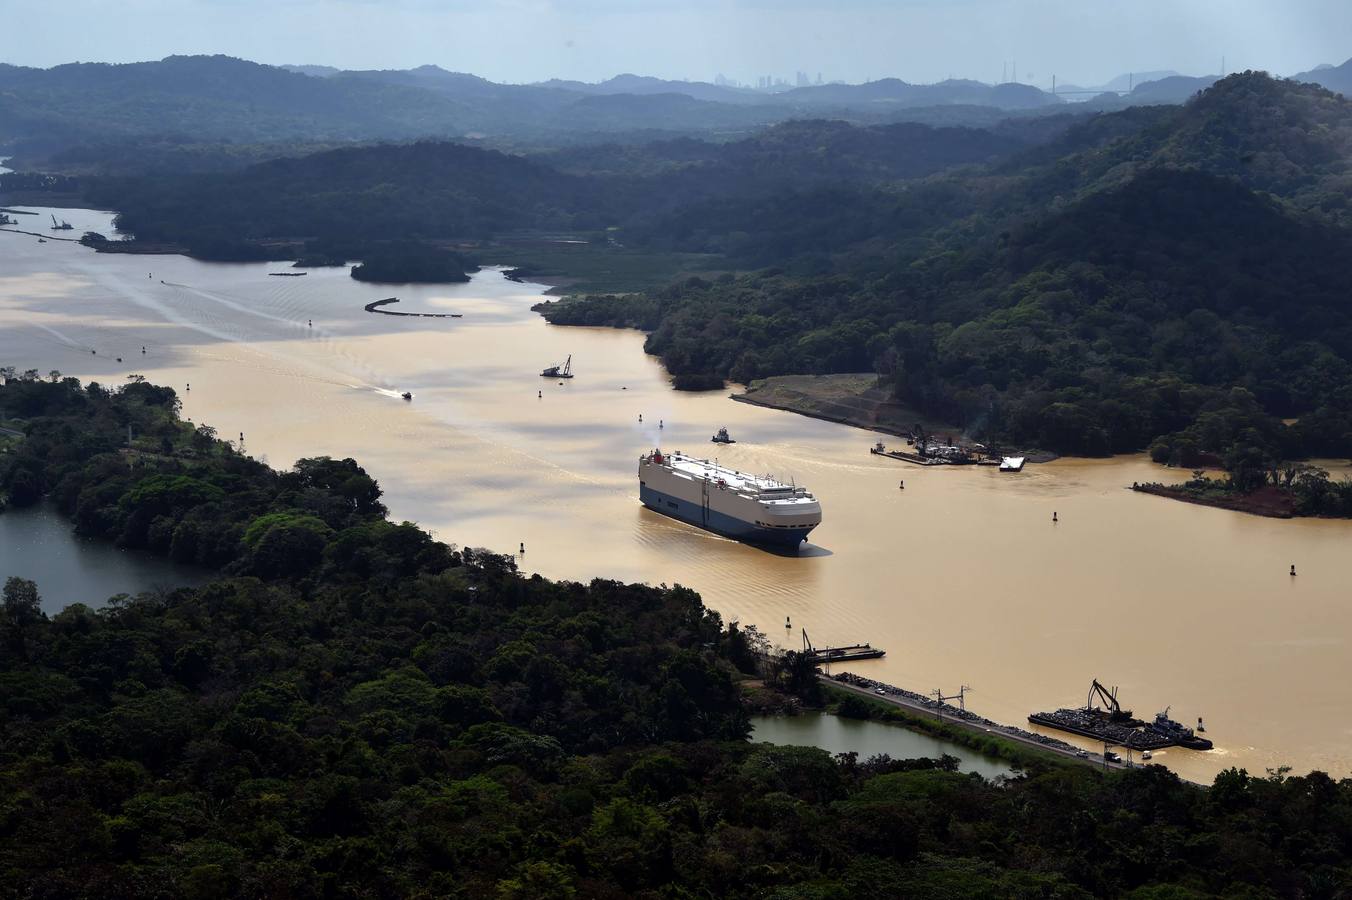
{"points": [[752, 508]]}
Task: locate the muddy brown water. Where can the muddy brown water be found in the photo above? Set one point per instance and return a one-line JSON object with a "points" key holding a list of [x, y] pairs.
{"points": [[961, 576]]}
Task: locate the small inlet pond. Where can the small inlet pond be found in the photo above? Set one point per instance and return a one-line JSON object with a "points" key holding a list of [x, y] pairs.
{"points": [[38, 544], [835, 734]]}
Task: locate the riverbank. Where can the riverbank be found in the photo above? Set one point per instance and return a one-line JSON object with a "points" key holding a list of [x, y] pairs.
{"points": [[50, 199], [855, 399], [1271, 502], [848, 399], [1016, 745], [872, 737]]}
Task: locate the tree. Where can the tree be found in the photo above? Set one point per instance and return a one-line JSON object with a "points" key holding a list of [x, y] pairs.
{"points": [[22, 609]]}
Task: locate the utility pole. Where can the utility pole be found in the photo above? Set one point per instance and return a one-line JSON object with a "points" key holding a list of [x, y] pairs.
{"points": [[938, 694]]}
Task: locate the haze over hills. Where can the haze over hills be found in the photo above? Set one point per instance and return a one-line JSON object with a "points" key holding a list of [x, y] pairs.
{"points": [[191, 99], [1335, 78]]}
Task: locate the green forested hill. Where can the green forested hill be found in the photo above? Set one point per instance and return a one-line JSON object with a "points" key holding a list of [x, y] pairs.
{"points": [[1096, 293], [424, 189]]}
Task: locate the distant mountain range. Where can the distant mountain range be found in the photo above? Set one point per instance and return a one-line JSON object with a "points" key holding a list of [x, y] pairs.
{"points": [[219, 99], [223, 99], [1335, 78]]}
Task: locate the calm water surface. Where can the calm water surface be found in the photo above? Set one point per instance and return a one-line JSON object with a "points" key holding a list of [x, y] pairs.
{"points": [[835, 734], [962, 577], [38, 544]]}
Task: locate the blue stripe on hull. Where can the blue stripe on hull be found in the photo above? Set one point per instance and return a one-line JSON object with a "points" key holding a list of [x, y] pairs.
{"points": [[720, 523]]}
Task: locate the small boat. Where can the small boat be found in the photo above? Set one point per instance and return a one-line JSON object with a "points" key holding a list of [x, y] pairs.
{"points": [[1012, 463], [722, 437], [1146, 754], [563, 371], [407, 395], [42, 240]]}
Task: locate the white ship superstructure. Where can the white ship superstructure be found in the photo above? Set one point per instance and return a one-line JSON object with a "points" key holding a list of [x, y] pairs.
{"points": [[753, 508]]}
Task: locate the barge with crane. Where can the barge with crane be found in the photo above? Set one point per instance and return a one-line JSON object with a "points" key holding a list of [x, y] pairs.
{"points": [[1102, 718]]}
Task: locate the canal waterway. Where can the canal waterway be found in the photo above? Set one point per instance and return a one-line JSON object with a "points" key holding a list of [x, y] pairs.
{"points": [[836, 734], [962, 576]]}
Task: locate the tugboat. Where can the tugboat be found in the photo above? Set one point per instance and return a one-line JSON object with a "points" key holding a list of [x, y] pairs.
{"points": [[722, 437], [563, 371], [1180, 734]]}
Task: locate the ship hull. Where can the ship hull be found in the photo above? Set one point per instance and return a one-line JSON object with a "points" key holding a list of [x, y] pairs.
{"points": [[721, 523]]}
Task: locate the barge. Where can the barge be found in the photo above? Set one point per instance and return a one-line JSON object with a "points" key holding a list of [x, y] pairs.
{"points": [[1112, 724]]}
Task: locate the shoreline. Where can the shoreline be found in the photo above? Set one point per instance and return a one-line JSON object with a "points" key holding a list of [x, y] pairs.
{"points": [[852, 400], [1265, 503], [1060, 750]]}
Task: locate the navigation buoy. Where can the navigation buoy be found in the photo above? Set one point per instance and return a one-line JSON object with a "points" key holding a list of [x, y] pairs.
{"points": [[1200, 726], [189, 387], [1293, 568], [640, 417], [901, 485], [523, 546], [624, 388], [119, 359], [661, 424], [1054, 518], [309, 323], [143, 351], [540, 395], [241, 437]]}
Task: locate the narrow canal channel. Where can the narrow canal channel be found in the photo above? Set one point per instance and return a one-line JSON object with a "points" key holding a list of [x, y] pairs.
{"points": [[835, 734]]}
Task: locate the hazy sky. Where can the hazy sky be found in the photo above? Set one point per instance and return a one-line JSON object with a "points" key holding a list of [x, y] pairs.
{"points": [[1082, 41]]}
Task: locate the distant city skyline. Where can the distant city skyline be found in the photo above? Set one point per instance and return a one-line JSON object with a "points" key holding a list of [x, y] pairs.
{"points": [[1085, 42]]}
